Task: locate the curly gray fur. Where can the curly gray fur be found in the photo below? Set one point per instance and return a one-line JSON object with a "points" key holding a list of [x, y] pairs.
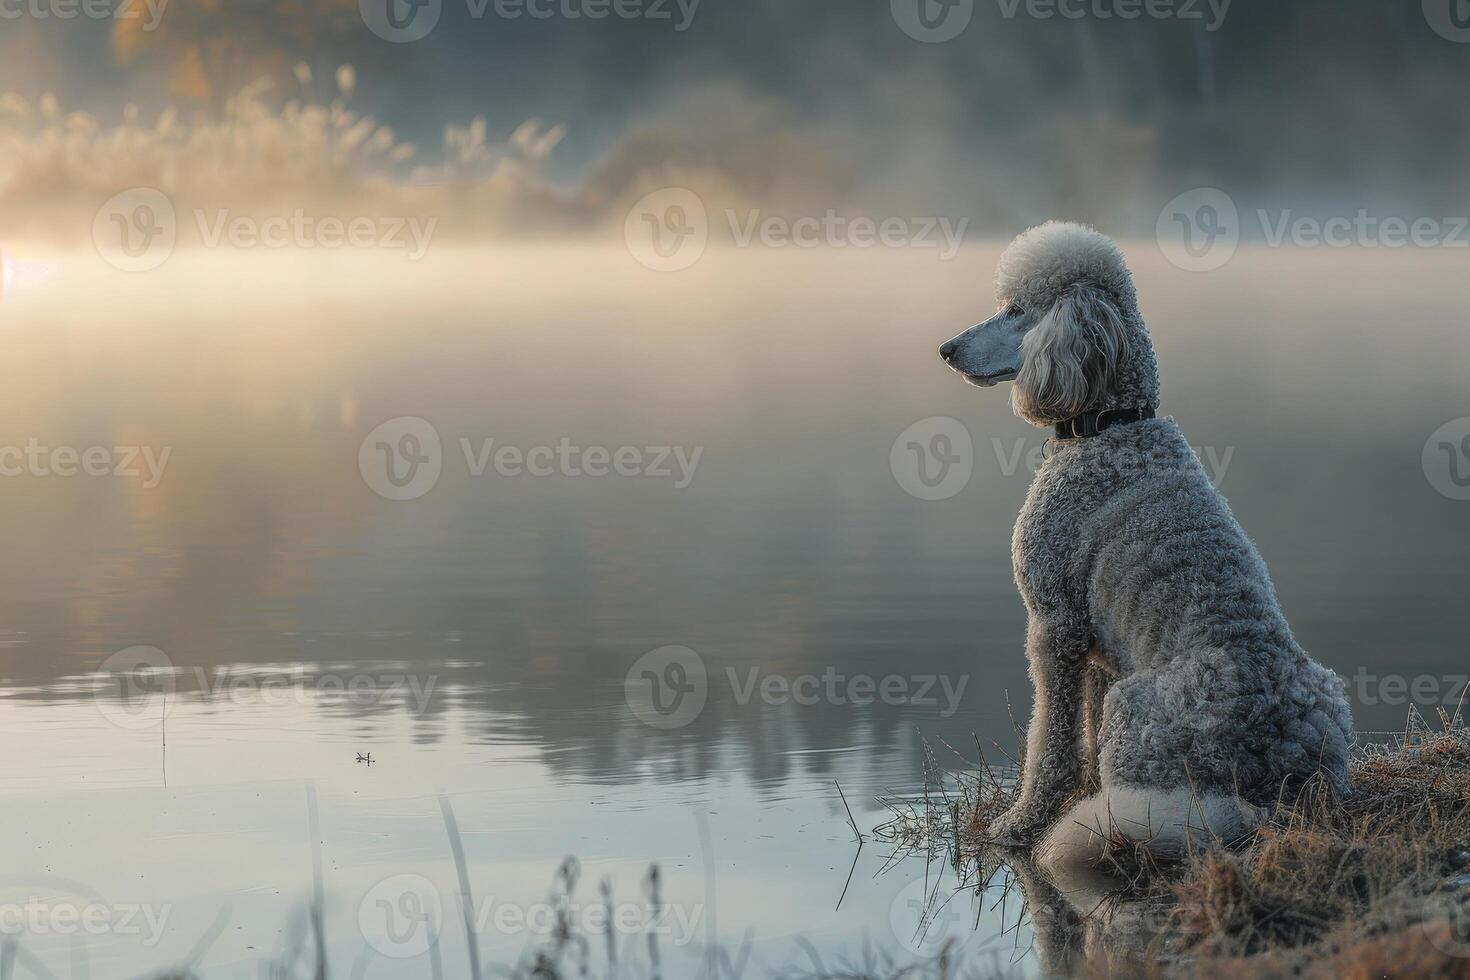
{"points": [[1127, 557]]}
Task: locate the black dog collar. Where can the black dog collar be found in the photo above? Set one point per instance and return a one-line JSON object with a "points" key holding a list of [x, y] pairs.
{"points": [[1091, 423]]}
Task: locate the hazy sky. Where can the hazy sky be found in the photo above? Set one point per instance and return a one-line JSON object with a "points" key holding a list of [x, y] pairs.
{"points": [[1036, 108]]}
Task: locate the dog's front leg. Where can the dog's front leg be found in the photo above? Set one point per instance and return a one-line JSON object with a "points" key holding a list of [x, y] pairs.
{"points": [[1054, 761]]}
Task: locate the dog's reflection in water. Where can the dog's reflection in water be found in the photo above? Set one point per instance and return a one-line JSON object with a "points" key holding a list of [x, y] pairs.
{"points": [[1079, 914]]}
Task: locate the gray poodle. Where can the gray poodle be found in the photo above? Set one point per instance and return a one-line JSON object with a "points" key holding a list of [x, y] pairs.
{"points": [[1170, 696]]}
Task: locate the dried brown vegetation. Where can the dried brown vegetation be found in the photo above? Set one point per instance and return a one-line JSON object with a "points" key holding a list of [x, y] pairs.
{"points": [[1376, 884]]}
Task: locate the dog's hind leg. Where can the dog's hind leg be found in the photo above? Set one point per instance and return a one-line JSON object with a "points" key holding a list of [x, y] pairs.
{"points": [[1166, 822], [1133, 805], [1094, 689]]}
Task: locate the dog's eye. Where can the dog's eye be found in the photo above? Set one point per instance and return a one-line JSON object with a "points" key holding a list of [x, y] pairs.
{"points": [[1014, 310]]}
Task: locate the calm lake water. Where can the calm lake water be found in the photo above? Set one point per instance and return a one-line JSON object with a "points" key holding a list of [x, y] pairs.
{"points": [[196, 651]]}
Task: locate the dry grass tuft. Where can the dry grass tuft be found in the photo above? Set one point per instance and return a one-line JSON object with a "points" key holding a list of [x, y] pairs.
{"points": [[1376, 884], [1328, 870]]}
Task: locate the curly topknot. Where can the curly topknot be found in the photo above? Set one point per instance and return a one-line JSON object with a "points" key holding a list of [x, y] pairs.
{"points": [[1043, 262]]}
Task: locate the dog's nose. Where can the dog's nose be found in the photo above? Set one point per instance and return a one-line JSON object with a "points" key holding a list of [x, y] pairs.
{"points": [[947, 349]]}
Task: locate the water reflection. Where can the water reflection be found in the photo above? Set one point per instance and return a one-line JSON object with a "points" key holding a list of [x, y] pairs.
{"points": [[1081, 918]]}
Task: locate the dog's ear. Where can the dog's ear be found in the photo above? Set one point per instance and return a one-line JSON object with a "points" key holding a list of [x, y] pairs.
{"points": [[1069, 359]]}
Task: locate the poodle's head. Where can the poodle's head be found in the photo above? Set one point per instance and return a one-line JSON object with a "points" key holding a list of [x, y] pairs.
{"points": [[1068, 331]]}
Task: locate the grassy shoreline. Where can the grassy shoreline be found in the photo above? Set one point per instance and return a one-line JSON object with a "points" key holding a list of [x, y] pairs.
{"points": [[1372, 884]]}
